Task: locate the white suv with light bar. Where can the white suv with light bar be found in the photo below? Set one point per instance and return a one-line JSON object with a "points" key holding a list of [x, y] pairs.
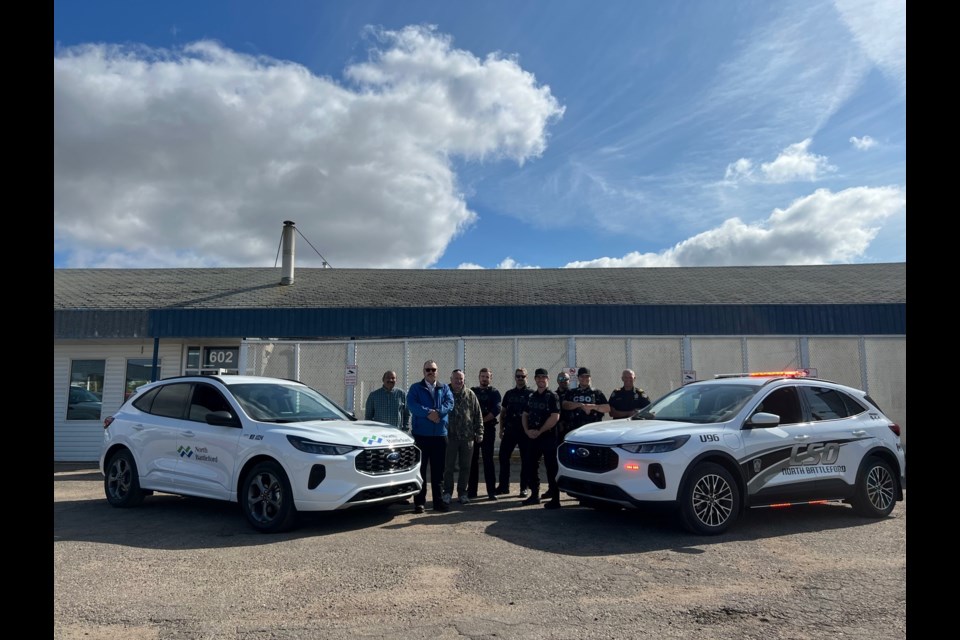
{"points": [[715, 447], [275, 446]]}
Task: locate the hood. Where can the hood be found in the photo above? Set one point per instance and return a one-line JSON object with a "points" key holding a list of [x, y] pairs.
{"points": [[360, 434], [617, 432]]}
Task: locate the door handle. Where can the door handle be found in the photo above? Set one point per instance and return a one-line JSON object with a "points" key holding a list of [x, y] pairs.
{"points": [[803, 437], [859, 433], [138, 427], [188, 434]]}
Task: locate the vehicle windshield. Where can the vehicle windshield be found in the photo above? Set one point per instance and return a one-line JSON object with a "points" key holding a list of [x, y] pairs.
{"points": [[274, 402], [700, 403]]}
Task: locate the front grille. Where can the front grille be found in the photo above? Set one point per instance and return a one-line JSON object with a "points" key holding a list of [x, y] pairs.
{"points": [[577, 488], [375, 462], [586, 457], [381, 493]]}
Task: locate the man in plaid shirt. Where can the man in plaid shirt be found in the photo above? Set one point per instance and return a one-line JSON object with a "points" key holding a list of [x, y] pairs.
{"points": [[388, 404]]}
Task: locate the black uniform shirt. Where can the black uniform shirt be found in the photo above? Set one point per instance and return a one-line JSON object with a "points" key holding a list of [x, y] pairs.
{"points": [[489, 398], [623, 400], [514, 403], [588, 396], [540, 406]]}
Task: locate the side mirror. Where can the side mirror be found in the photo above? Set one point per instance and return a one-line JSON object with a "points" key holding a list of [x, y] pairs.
{"points": [[762, 419], [222, 419]]}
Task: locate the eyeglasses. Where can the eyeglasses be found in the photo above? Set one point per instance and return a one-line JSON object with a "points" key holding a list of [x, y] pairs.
{"points": [[430, 370], [519, 375]]}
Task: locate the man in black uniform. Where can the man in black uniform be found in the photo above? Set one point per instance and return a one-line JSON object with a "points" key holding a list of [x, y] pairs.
{"points": [[627, 401], [539, 420], [511, 433], [489, 398], [585, 404], [563, 388]]}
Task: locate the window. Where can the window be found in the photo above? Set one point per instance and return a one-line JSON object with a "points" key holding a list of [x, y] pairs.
{"points": [[171, 401], [85, 395], [139, 371], [785, 403], [205, 400], [829, 404]]}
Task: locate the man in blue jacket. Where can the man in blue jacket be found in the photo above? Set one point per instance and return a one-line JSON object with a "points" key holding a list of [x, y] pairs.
{"points": [[430, 403]]}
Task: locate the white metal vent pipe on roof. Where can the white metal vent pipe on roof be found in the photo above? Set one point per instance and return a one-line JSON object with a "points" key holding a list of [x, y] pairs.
{"points": [[288, 253]]}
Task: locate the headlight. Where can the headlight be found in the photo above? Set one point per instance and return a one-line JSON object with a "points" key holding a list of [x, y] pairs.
{"points": [[660, 446], [319, 447]]}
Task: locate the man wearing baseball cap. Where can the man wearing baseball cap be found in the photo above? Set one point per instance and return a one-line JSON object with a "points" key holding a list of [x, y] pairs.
{"points": [[539, 419], [563, 388], [585, 404]]}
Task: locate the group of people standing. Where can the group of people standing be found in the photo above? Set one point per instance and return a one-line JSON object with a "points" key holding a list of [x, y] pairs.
{"points": [[455, 428]]}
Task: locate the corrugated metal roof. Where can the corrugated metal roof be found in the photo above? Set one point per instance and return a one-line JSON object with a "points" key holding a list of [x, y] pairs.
{"points": [[250, 302]]}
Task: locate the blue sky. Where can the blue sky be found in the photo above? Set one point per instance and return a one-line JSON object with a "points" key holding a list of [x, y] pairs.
{"points": [[434, 134]]}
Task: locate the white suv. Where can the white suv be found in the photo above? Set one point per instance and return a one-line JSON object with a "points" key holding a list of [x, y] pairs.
{"points": [[715, 447], [275, 446]]}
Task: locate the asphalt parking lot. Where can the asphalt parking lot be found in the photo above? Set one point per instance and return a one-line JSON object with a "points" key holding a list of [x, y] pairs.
{"points": [[185, 568]]}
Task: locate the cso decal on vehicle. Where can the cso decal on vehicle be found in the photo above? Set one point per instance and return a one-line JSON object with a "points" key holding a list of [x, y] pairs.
{"points": [[715, 447]]}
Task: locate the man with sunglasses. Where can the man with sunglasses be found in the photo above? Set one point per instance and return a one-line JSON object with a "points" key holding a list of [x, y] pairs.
{"points": [[539, 419], [511, 432], [430, 403]]}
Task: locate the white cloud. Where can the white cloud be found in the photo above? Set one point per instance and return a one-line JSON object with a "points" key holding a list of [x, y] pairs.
{"points": [[506, 263], [821, 228], [863, 143], [196, 156], [740, 170], [880, 29], [795, 163]]}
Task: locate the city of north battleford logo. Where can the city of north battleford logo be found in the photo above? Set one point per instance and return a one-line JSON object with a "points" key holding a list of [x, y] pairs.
{"points": [[393, 457], [371, 439], [185, 452]]}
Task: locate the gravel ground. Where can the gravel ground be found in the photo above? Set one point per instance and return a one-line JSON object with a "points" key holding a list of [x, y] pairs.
{"points": [[186, 568]]}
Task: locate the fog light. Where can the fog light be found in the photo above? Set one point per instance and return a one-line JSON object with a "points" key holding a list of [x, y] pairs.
{"points": [[317, 473], [655, 472]]}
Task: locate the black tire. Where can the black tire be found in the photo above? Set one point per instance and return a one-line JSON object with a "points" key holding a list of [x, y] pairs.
{"points": [[266, 498], [876, 491], [599, 505], [121, 482], [709, 500]]}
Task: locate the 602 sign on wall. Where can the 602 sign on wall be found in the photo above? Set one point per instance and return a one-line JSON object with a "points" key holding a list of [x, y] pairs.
{"points": [[221, 357]]}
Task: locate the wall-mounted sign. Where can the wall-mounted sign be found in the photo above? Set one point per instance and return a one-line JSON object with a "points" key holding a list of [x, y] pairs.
{"points": [[221, 357]]}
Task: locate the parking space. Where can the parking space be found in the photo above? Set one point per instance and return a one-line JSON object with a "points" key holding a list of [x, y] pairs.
{"points": [[183, 568]]}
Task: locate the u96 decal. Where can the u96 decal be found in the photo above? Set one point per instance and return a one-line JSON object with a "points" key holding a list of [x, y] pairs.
{"points": [[709, 437]]}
